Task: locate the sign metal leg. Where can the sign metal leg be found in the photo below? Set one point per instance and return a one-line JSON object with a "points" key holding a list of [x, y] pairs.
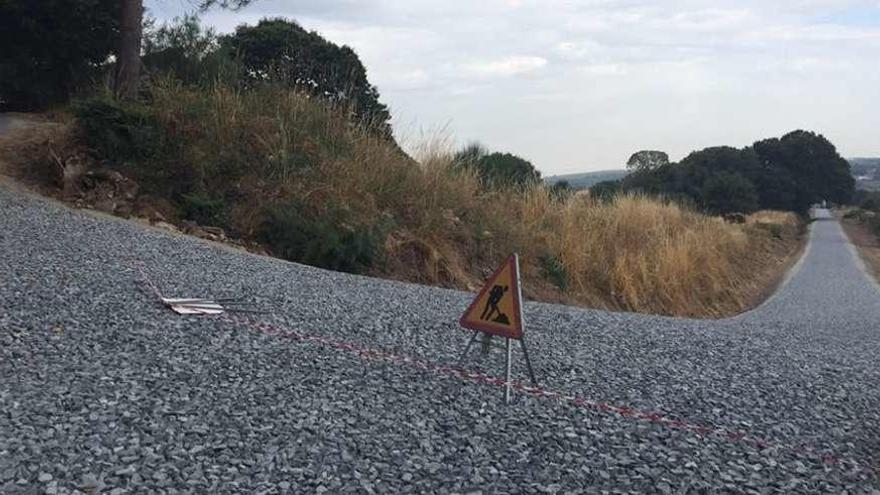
{"points": [[522, 342], [486, 343], [467, 349], [507, 384]]}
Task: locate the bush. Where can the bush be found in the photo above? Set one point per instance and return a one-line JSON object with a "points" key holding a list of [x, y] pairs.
{"points": [[554, 270], [605, 190], [871, 202], [324, 239], [118, 131], [728, 193], [497, 170], [203, 209]]}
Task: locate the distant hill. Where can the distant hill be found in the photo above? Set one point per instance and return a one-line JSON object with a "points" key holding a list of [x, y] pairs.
{"points": [[587, 179], [867, 173]]}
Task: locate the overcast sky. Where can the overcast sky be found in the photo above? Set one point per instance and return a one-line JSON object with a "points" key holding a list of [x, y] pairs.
{"points": [[579, 85]]}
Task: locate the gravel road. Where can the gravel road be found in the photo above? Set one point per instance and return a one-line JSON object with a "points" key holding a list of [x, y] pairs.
{"points": [[103, 390]]}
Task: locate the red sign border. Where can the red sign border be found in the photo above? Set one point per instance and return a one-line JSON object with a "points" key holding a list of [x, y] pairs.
{"points": [[516, 333]]}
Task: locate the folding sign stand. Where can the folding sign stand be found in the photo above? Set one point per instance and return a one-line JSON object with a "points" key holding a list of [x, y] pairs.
{"points": [[497, 311], [487, 345]]}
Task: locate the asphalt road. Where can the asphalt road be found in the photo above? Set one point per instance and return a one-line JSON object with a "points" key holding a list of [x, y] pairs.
{"points": [[103, 389]]}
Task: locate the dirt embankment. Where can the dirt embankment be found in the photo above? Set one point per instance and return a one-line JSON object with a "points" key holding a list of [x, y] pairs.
{"points": [[44, 155], [867, 243]]}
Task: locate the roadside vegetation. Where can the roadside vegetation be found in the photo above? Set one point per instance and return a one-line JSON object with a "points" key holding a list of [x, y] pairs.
{"points": [[861, 221], [242, 138], [790, 173]]}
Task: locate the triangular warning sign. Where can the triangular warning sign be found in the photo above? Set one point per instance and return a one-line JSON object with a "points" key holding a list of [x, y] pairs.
{"points": [[497, 309]]}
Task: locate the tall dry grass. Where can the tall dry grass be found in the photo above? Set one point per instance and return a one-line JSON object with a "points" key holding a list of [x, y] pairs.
{"points": [[634, 253]]}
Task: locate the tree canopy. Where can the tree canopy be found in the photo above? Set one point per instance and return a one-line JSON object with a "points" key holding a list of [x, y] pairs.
{"points": [[281, 51], [647, 160], [787, 173], [50, 47], [498, 169]]}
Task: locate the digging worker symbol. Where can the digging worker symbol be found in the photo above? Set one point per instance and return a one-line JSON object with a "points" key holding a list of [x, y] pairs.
{"points": [[491, 308]]}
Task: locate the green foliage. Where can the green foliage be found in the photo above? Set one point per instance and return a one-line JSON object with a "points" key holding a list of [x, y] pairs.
{"points": [[188, 52], [790, 173], [606, 190], [553, 270], [326, 239], [226, 4], [497, 170], [646, 160], [49, 48], [280, 51], [506, 169], [817, 172], [184, 35], [131, 136], [118, 131], [729, 192], [203, 209], [561, 190]]}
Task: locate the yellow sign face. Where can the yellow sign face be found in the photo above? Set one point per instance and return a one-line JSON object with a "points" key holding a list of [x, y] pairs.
{"points": [[497, 309]]}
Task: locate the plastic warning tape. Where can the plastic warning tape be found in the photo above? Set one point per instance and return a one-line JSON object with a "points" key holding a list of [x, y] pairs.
{"points": [[726, 434]]}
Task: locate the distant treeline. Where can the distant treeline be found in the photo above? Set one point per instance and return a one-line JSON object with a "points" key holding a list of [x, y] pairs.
{"points": [[585, 180], [788, 173]]}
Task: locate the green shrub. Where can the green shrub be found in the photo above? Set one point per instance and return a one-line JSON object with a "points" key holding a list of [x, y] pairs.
{"points": [[871, 202], [203, 209], [326, 239], [118, 131], [729, 193], [554, 270], [606, 190]]}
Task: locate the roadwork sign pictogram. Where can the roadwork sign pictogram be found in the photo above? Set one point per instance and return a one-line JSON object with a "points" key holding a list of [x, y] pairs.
{"points": [[497, 309]]}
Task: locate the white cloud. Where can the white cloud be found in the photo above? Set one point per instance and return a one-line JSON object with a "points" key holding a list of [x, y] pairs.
{"points": [[507, 66], [577, 50], [604, 69]]}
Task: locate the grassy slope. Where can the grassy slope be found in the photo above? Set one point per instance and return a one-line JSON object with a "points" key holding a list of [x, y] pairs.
{"points": [[261, 152]]}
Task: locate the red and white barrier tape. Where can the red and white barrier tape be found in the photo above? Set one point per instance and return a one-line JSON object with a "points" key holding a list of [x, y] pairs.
{"points": [[370, 354], [569, 399]]}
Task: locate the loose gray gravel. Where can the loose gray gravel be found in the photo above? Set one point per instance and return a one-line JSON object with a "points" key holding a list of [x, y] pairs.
{"points": [[103, 390]]}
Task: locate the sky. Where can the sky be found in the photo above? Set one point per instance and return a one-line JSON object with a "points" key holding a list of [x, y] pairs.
{"points": [[577, 86]]}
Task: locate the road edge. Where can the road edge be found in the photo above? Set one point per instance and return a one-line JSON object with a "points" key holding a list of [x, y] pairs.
{"points": [[786, 278]]}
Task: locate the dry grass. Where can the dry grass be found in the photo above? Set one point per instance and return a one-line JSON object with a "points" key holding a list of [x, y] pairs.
{"points": [[634, 254], [772, 217]]}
